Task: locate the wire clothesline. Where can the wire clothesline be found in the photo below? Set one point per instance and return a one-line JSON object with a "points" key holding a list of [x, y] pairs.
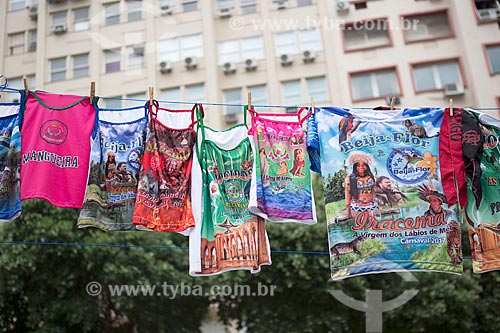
{"points": [[173, 247]]}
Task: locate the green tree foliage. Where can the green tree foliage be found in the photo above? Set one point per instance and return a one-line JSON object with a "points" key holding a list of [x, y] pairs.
{"points": [[43, 287], [333, 186]]}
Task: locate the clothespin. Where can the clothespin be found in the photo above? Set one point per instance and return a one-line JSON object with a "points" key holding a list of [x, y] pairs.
{"points": [[249, 105], [151, 95], [25, 83], [451, 107], [312, 105], [92, 91], [393, 101]]}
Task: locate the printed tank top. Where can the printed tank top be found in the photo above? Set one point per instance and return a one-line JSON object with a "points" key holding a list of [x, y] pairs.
{"points": [[163, 196], [55, 153]]}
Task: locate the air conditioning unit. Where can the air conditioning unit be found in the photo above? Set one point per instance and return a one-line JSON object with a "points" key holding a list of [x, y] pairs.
{"points": [[286, 60], [280, 4], [191, 63], [139, 49], [388, 99], [342, 6], [489, 14], [250, 65], [166, 10], [291, 110], [453, 89], [165, 67], [60, 28], [229, 68], [225, 12], [308, 56], [33, 12], [32, 46], [230, 118]]}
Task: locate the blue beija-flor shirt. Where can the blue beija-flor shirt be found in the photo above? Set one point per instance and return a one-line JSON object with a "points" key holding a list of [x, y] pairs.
{"points": [[385, 206]]}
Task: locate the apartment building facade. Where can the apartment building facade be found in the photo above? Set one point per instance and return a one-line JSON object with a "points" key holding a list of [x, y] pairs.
{"points": [[352, 53]]}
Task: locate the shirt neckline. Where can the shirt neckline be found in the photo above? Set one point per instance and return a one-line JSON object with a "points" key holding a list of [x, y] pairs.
{"points": [[57, 108], [378, 112]]}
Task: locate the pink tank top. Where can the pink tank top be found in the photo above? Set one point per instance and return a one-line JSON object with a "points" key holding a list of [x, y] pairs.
{"points": [[55, 150]]}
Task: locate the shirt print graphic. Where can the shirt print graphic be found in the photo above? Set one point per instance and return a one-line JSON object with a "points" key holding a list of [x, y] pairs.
{"points": [[283, 178], [114, 168], [231, 237], [384, 200], [10, 146], [484, 222], [163, 196]]}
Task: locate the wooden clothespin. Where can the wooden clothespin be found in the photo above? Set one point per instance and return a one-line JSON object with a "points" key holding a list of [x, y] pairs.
{"points": [[393, 101], [451, 107], [25, 83], [312, 105], [249, 104], [92, 91], [151, 95]]}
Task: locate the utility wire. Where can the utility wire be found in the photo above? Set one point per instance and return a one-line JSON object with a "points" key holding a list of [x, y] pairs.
{"points": [[125, 246]]}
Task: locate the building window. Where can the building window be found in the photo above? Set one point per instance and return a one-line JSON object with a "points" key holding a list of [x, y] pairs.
{"points": [[229, 51], [136, 99], [232, 96], [167, 4], [436, 76], [292, 93], [189, 5], [304, 2], [488, 10], [293, 42], [168, 50], [32, 40], [171, 94], [57, 69], [59, 18], [112, 12], [17, 5], [366, 35], [16, 43], [317, 89], [222, 4], [134, 10], [429, 26], [494, 58], [248, 7], [80, 65], [176, 49], [113, 103], [17, 82], [240, 50], [135, 56], [286, 43], [191, 46], [259, 94], [112, 59], [81, 19], [195, 93], [375, 84]]}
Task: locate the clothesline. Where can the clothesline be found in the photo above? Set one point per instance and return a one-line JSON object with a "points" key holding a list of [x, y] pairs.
{"points": [[220, 104], [125, 246]]}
